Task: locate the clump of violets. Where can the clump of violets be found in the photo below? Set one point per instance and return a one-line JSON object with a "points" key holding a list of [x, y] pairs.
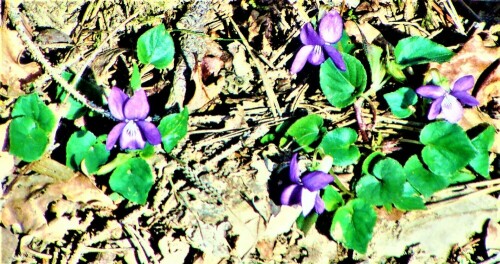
{"points": [[448, 103], [134, 129], [305, 191], [315, 45]]}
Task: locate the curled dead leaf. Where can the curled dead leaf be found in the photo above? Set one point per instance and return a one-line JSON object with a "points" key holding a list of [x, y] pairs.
{"points": [[29, 199], [12, 73]]}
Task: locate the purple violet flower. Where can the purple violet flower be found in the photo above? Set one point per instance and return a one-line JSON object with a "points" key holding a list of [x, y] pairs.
{"points": [[330, 32], [305, 191], [448, 104], [133, 130]]}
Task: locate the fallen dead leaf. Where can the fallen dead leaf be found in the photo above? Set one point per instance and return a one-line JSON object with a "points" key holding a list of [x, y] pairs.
{"points": [[433, 232], [173, 250], [473, 117], [12, 73], [472, 59], [492, 241], [9, 245], [28, 198]]}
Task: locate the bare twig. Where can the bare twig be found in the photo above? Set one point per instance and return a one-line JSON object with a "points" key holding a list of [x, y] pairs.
{"points": [[15, 17], [268, 87]]}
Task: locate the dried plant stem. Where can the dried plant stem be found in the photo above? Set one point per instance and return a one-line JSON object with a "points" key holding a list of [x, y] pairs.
{"points": [[55, 73], [268, 87]]}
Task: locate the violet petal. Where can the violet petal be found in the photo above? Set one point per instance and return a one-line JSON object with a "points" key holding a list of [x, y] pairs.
{"points": [[431, 91], [308, 201], [137, 108], [150, 132], [316, 57], [294, 169], [131, 137], [330, 27], [291, 195], [336, 57], [435, 108], [308, 36], [319, 205], [301, 58], [114, 134], [451, 109], [116, 99], [316, 180], [465, 83], [465, 98]]}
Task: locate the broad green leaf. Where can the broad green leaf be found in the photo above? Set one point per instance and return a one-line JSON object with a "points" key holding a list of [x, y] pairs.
{"points": [[483, 143], [410, 199], [132, 180], [339, 143], [26, 139], [30, 106], [401, 102], [148, 151], [370, 161], [77, 148], [447, 147], [384, 186], [305, 223], [424, 181], [345, 44], [306, 130], [332, 199], [353, 224], [84, 146], [96, 156], [173, 128], [419, 50], [135, 79], [461, 176], [156, 47], [341, 88]]}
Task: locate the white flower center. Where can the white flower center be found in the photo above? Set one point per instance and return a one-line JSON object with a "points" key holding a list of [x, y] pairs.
{"points": [[317, 49], [131, 129]]}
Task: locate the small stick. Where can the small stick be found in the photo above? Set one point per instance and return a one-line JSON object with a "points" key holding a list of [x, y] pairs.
{"points": [[275, 106], [15, 17]]}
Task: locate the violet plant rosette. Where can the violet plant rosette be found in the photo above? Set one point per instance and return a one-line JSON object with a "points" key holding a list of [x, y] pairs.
{"points": [[305, 191], [447, 104], [134, 129], [315, 45]]}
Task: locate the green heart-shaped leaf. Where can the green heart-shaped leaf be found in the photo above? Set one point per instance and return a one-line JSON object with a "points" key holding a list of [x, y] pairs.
{"points": [[26, 139], [483, 143], [401, 102], [133, 180], [353, 224], [339, 143], [83, 145], [385, 185], [410, 199], [447, 147], [306, 130], [424, 181], [156, 47], [332, 199], [341, 88], [173, 128], [419, 50], [32, 107]]}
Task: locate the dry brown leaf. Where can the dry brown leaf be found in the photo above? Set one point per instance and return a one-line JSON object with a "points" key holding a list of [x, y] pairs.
{"points": [[434, 231], [12, 73], [472, 59], [9, 242], [27, 202], [492, 241], [368, 30], [473, 117]]}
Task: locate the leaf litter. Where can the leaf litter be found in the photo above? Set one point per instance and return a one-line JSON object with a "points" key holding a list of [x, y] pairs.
{"points": [[213, 204]]}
